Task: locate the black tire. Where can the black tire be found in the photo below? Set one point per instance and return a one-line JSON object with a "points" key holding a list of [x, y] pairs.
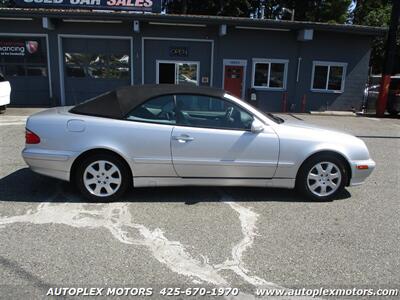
{"points": [[3, 109], [301, 180], [126, 178], [393, 112]]}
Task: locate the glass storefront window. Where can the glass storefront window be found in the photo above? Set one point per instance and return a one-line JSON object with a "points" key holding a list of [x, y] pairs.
{"points": [[320, 77], [328, 77], [277, 75], [36, 71], [98, 72], [23, 56], [178, 72], [261, 75], [14, 70], [74, 71], [98, 66], [269, 73], [335, 78], [119, 66], [187, 74]]}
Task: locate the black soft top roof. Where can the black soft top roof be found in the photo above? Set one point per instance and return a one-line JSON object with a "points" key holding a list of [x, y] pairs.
{"points": [[118, 103]]}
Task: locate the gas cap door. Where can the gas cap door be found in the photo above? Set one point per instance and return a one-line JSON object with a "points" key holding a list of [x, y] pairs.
{"points": [[76, 125]]}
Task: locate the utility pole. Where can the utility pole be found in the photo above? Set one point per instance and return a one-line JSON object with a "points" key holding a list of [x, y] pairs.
{"points": [[390, 55]]}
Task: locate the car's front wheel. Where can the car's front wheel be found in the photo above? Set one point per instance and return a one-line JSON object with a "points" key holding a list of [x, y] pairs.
{"points": [[322, 178], [103, 177]]}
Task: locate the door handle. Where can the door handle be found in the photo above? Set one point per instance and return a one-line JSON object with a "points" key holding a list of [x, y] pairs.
{"points": [[184, 138]]}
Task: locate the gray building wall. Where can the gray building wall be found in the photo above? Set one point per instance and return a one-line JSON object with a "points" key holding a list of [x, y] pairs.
{"points": [[250, 44], [237, 44], [343, 48]]}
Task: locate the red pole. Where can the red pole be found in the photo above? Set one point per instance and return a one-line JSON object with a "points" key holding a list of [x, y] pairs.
{"points": [[284, 102], [383, 95], [390, 55], [303, 104]]}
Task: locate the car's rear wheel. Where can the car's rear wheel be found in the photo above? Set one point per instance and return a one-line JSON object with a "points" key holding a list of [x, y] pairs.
{"points": [[103, 177], [322, 178]]}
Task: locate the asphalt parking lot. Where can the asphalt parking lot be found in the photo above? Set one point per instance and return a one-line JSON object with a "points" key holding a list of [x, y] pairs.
{"points": [[188, 237]]}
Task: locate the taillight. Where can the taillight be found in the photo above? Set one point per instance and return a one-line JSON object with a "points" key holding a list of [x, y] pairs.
{"points": [[31, 138]]}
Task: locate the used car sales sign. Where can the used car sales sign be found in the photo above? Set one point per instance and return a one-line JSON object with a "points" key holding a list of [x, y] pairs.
{"points": [[133, 5]]}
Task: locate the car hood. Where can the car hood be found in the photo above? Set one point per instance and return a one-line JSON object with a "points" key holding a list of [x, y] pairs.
{"points": [[305, 125], [305, 131], [302, 134]]}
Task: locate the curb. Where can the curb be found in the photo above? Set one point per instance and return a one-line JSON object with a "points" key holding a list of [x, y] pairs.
{"points": [[334, 113]]}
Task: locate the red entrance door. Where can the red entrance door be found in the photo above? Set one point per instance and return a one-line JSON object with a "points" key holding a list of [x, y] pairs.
{"points": [[233, 81]]}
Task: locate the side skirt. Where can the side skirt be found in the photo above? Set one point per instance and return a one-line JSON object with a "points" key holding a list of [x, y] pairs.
{"points": [[177, 181]]}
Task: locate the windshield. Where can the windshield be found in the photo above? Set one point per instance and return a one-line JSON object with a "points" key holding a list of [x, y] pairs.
{"points": [[270, 116]]}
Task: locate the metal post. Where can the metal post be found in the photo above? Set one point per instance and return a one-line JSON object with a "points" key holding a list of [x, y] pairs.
{"points": [[284, 102], [390, 55], [303, 104]]}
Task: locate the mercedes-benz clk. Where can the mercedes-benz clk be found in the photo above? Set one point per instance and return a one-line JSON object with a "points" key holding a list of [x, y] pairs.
{"points": [[171, 135]]}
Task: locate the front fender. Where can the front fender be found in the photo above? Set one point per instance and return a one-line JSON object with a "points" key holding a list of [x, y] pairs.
{"points": [[294, 151]]}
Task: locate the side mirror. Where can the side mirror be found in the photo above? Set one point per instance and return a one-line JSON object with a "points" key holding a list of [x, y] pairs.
{"points": [[257, 126]]}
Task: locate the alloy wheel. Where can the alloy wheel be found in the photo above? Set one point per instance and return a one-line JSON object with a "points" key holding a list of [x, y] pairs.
{"points": [[324, 179], [102, 178]]}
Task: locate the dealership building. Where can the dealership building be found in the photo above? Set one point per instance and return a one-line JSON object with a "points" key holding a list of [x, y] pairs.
{"points": [[55, 54]]}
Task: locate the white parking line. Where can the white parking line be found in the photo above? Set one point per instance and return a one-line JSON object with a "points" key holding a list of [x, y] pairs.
{"points": [[248, 220], [117, 218], [12, 120], [12, 123]]}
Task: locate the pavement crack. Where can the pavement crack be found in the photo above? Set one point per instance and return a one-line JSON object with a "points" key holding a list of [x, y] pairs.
{"points": [[117, 218]]}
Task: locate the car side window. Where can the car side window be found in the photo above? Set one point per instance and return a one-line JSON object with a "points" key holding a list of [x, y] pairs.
{"points": [[210, 112], [2, 78], [159, 110]]}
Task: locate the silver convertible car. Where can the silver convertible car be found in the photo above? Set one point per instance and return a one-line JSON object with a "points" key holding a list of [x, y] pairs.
{"points": [[169, 135]]}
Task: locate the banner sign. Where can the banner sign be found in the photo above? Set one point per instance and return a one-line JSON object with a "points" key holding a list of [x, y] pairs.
{"points": [[11, 47], [131, 5]]}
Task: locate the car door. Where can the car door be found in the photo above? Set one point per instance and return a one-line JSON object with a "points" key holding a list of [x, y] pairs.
{"points": [[148, 137], [212, 139]]}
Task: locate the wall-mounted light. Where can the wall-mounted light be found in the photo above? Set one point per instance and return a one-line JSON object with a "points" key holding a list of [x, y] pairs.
{"points": [[305, 35], [223, 30], [47, 23], [136, 26]]}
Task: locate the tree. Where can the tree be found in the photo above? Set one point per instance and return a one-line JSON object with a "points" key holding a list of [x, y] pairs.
{"points": [[5, 3], [334, 11], [376, 13], [327, 11], [372, 12], [238, 8]]}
